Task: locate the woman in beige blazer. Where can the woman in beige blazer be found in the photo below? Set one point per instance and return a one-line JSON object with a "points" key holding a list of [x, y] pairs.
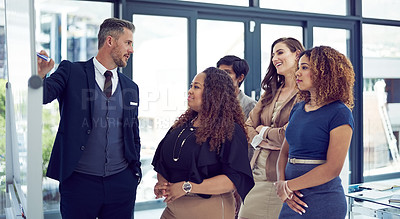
{"points": [[266, 127]]}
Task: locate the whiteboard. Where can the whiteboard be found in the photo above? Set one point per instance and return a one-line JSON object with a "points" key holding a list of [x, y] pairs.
{"points": [[24, 112]]}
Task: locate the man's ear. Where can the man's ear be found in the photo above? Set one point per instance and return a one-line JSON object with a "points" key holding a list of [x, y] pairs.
{"points": [[241, 78], [109, 40]]}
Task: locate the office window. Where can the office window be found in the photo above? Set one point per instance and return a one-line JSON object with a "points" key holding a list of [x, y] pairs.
{"points": [[382, 9], [159, 65], [333, 37], [381, 97], [270, 33], [223, 2], [68, 29], [216, 39], [336, 7]]}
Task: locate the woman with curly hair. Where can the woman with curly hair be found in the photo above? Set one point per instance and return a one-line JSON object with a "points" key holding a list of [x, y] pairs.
{"points": [[203, 157], [266, 128], [317, 137]]}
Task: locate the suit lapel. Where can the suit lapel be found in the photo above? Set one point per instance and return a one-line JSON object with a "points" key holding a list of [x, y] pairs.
{"points": [[89, 70], [125, 95], [129, 95]]}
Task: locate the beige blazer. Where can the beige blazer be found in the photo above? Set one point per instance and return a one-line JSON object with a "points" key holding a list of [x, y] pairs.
{"points": [[275, 134]]}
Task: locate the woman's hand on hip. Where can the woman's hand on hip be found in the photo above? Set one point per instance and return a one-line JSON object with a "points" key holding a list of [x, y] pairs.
{"points": [[296, 204]]}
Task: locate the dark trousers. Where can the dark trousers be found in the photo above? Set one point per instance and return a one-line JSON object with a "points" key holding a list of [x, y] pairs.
{"points": [[88, 197]]}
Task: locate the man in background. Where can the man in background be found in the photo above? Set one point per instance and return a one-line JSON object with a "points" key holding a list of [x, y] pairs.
{"points": [[96, 152], [238, 68]]}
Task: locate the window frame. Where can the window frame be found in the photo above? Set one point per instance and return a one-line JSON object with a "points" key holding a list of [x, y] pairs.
{"points": [[253, 14]]}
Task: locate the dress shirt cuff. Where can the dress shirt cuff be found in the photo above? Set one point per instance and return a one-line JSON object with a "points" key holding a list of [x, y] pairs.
{"points": [[262, 132], [256, 141], [258, 138]]}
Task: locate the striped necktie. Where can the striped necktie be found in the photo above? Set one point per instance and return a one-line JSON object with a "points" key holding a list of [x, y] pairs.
{"points": [[108, 84]]}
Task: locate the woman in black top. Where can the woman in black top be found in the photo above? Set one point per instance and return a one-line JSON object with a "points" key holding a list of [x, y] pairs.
{"points": [[203, 157]]}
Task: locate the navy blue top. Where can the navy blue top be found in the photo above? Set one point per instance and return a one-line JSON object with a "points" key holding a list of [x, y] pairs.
{"points": [[196, 162], [308, 132]]}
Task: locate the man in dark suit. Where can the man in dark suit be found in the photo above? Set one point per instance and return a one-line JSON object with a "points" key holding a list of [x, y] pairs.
{"points": [[96, 152]]}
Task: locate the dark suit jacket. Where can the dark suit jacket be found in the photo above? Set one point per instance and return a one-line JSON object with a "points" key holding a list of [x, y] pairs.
{"points": [[73, 84]]}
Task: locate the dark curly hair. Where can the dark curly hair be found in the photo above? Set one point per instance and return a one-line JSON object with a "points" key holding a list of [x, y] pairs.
{"points": [[220, 110], [332, 76], [272, 80]]}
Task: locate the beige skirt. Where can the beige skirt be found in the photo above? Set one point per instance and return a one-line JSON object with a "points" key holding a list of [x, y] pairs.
{"points": [[195, 207], [261, 202]]}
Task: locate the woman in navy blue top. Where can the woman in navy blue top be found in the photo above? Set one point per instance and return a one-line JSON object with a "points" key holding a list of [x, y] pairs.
{"points": [[317, 138], [203, 157]]}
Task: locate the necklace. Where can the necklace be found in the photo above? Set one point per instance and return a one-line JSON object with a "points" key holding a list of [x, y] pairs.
{"points": [[183, 142]]}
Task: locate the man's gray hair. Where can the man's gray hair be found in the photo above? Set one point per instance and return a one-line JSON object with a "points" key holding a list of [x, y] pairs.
{"points": [[113, 27]]}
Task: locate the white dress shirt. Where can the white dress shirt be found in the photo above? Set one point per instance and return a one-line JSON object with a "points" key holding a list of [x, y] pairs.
{"points": [[99, 71]]}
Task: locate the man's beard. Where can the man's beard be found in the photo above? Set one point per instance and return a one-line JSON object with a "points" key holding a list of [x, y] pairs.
{"points": [[116, 56]]}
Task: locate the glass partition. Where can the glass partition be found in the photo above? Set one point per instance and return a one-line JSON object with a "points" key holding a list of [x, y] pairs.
{"points": [[3, 81], [381, 99], [17, 40]]}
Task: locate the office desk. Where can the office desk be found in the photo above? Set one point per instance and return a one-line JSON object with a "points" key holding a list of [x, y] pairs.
{"points": [[373, 203]]}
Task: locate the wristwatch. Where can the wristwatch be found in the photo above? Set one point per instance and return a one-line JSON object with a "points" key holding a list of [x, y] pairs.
{"points": [[187, 187]]}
